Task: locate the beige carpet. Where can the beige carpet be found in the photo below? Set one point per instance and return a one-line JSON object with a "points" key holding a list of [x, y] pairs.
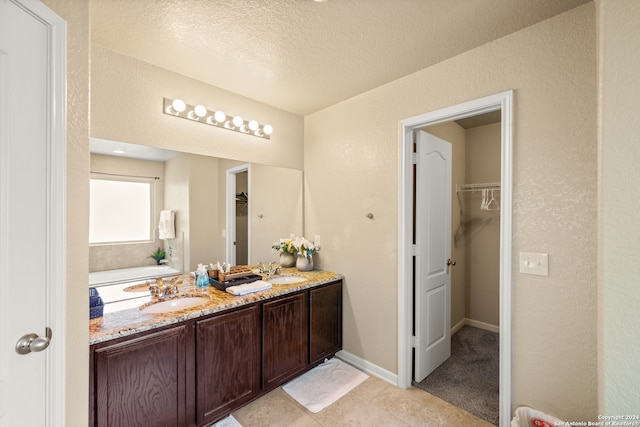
{"points": [[324, 384]]}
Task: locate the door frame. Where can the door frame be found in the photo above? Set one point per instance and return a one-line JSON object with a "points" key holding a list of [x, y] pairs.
{"points": [[231, 212], [501, 101]]}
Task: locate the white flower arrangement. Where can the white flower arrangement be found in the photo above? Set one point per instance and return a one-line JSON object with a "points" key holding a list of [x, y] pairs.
{"points": [[284, 246], [305, 247]]}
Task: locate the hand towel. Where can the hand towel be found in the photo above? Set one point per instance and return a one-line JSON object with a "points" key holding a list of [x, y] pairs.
{"points": [[166, 227], [247, 288]]}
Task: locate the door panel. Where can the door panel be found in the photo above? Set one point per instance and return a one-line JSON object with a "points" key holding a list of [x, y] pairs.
{"points": [[433, 247], [24, 204], [436, 300]]}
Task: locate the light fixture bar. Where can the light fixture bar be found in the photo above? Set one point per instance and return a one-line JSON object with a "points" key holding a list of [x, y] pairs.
{"points": [[200, 114]]}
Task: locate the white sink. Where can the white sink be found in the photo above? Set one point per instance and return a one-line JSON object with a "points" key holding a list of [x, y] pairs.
{"points": [[286, 280], [174, 305]]}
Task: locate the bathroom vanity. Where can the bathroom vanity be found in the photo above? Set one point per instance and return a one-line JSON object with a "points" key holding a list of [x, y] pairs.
{"points": [[193, 367]]}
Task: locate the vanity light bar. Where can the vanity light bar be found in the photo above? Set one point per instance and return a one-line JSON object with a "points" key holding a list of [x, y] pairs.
{"points": [[199, 113]]}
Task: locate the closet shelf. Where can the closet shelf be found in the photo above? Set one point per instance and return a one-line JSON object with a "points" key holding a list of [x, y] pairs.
{"points": [[462, 188]]}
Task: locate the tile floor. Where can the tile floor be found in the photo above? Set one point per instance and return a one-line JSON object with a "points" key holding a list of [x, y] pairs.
{"points": [[373, 403]]}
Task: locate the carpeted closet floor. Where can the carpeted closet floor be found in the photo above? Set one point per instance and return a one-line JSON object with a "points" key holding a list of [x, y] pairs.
{"points": [[469, 379]]}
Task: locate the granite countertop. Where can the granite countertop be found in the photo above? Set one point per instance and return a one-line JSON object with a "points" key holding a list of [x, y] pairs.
{"points": [[133, 320]]}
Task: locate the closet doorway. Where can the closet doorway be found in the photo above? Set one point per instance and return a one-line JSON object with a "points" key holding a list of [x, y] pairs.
{"points": [[238, 230], [468, 377], [474, 213]]}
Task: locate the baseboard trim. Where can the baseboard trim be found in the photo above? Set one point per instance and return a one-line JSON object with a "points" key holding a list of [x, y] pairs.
{"points": [[368, 367], [475, 323], [458, 326]]}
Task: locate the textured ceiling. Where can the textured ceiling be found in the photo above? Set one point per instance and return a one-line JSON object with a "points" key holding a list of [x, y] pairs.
{"points": [[302, 56]]}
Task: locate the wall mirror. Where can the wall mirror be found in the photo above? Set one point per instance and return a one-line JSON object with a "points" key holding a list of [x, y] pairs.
{"points": [[260, 203]]}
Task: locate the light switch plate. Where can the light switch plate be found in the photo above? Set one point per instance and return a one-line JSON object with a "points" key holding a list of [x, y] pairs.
{"points": [[534, 263]]}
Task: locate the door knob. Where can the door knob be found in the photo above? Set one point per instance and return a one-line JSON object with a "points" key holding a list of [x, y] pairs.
{"points": [[450, 262], [32, 342]]}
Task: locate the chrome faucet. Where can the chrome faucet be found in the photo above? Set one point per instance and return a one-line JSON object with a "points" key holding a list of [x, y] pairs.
{"points": [[165, 261], [269, 269], [161, 289]]}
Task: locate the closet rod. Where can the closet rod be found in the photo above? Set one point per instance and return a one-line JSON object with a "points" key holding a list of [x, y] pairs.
{"points": [[477, 187]]}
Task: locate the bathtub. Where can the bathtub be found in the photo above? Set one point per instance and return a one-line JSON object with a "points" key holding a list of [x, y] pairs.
{"points": [[125, 288], [133, 274]]}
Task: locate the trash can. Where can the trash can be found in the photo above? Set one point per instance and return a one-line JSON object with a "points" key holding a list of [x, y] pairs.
{"points": [[527, 417]]}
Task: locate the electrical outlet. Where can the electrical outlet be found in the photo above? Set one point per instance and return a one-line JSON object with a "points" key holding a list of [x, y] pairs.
{"points": [[534, 263]]}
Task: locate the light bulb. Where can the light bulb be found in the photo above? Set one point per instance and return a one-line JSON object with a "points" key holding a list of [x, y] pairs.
{"points": [[253, 125], [237, 121], [219, 116], [267, 129], [200, 110], [178, 105]]}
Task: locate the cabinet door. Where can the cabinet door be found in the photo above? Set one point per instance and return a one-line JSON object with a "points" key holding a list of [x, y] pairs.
{"points": [[325, 316], [285, 339], [142, 382], [228, 362]]}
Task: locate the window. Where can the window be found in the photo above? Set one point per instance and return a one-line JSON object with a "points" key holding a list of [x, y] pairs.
{"points": [[120, 209]]}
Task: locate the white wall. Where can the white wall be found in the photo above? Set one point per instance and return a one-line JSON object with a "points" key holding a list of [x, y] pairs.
{"points": [[191, 189], [619, 313], [483, 240], [176, 198], [276, 206], [203, 210], [351, 168]]}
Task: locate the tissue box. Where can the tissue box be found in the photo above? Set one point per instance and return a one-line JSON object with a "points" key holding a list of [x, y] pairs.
{"points": [[96, 305]]}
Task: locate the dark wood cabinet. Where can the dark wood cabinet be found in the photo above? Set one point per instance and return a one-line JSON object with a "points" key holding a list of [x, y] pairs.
{"points": [[227, 362], [143, 381], [325, 320], [285, 331], [198, 371]]}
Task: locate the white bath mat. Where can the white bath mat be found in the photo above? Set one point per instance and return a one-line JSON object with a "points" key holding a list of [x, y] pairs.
{"points": [[227, 422], [324, 384]]}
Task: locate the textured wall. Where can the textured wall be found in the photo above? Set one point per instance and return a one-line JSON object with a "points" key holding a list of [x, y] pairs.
{"points": [[126, 105], [619, 346], [351, 168]]}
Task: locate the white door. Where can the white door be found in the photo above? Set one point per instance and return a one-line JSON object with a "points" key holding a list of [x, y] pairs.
{"points": [[432, 309], [31, 215]]}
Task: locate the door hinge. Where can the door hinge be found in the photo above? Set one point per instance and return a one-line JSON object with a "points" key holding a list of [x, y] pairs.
{"points": [[413, 341], [414, 158], [414, 250]]}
